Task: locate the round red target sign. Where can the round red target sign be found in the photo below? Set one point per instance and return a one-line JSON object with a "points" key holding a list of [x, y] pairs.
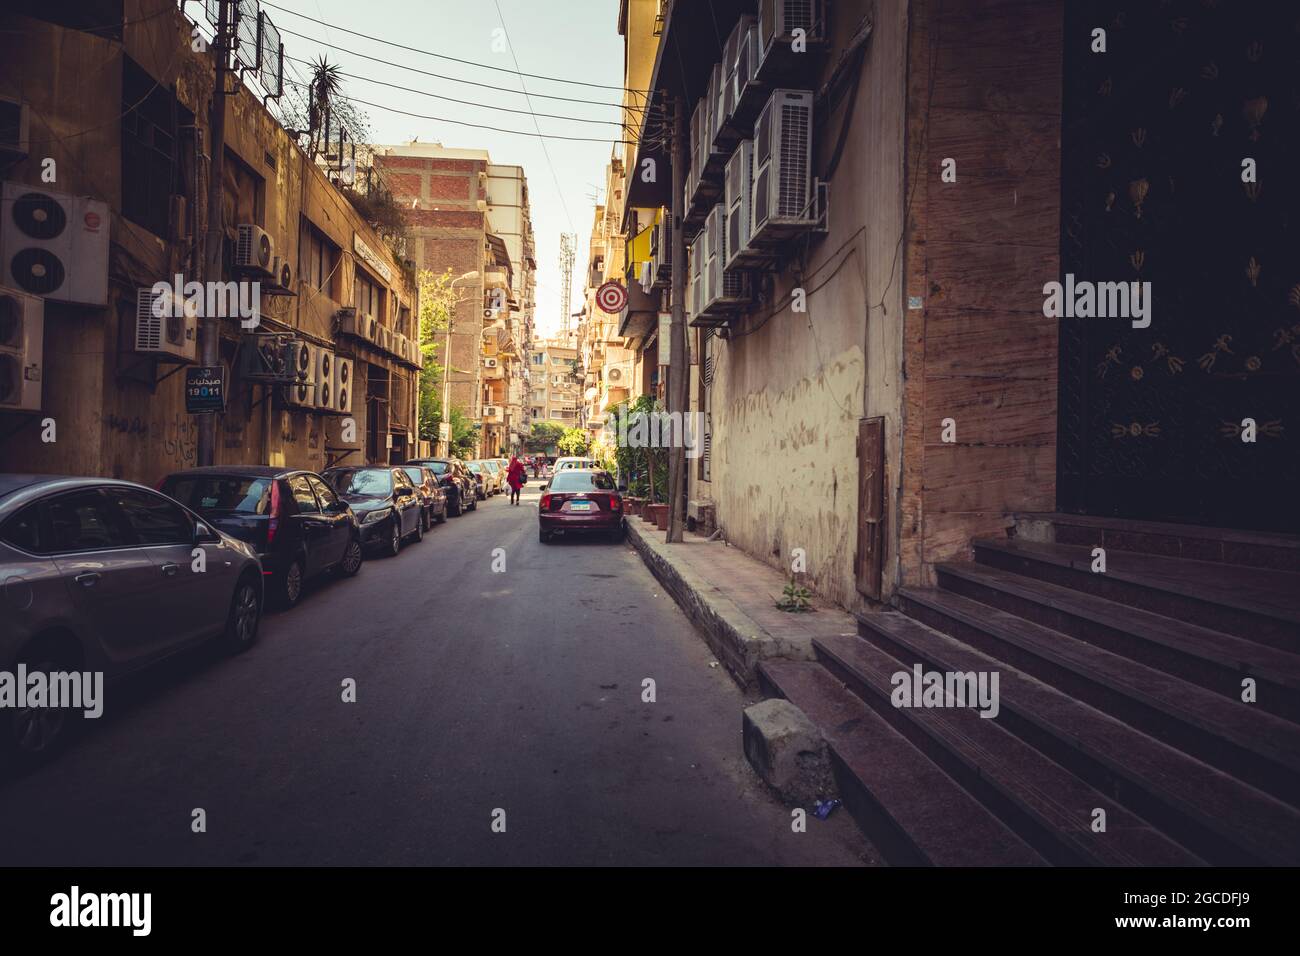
{"points": [[611, 297]]}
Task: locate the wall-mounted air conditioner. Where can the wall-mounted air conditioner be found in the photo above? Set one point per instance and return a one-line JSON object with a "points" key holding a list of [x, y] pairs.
{"points": [[254, 251], [748, 93], [160, 330], [301, 393], [268, 359], [54, 245], [386, 338], [343, 371], [15, 122], [725, 290], [360, 325], [302, 359], [325, 379], [790, 31], [695, 277], [782, 203], [281, 274], [738, 196], [619, 376], [22, 336], [489, 363]]}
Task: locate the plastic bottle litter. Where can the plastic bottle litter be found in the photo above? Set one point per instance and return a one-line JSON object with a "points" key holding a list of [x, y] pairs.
{"points": [[824, 808]]}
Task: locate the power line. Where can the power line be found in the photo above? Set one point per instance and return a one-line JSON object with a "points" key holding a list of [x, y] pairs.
{"points": [[452, 99], [443, 56], [495, 129], [456, 79]]}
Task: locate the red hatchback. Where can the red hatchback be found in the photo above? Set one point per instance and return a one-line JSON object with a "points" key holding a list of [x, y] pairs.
{"points": [[582, 500]]}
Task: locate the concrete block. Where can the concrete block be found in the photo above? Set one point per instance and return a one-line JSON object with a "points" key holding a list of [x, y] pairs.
{"points": [[786, 749]]}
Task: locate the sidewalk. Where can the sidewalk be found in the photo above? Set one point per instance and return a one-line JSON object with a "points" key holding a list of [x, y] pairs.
{"points": [[731, 597]]}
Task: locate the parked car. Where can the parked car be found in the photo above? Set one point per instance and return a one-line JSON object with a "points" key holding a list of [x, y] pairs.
{"points": [[580, 500], [498, 473], [294, 521], [432, 495], [385, 501], [457, 482], [564, 464], [100, 575], [483, 478]]}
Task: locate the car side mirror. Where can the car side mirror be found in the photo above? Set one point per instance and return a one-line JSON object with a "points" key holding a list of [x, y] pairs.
{"points": [[205, 535]]}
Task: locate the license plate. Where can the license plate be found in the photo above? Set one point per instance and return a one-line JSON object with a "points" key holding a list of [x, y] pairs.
{"points": [[580, 506]]}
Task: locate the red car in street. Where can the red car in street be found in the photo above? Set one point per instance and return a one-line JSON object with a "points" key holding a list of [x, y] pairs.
{"points": [[580, 500]]}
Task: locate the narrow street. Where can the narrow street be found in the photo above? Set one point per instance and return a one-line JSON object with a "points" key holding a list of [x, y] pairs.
{"points": [[475, 691]]}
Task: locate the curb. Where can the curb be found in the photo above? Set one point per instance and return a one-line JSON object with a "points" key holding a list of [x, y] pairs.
{"points": [[739, 641]]}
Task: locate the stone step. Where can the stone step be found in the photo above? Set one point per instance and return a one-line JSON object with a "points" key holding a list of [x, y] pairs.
{"points": [[1217, 816], [1236, 737], [1047, 805], [913, 812], [1255, 604], [1211, 659]]}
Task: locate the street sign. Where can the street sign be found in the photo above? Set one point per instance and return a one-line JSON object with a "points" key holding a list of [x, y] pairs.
{"points": [[205, 389], [611, 297], [444, 431]]}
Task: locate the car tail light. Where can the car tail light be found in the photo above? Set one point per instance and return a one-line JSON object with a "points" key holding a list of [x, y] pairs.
{"points": [[615, 503], [546, 502], [276, 508]]}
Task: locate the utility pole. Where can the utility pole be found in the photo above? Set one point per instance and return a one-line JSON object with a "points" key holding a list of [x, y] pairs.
{"points": [[210, 325], [679, 368], [568, 254]]}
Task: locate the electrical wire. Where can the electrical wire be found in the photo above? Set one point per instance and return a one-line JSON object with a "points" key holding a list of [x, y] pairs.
{"points": [[443, 56]]}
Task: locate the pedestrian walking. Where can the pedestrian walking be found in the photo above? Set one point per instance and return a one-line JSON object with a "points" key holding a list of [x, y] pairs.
{"points": [[516, 477]]}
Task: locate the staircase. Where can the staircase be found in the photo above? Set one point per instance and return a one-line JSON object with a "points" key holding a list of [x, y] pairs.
{"points": [[1119, 691]]}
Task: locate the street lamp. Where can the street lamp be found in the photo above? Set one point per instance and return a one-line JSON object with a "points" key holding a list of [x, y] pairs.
{"points": [[446, 371]]}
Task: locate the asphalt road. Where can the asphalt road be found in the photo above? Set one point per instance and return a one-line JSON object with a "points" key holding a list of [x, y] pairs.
{"points": [[476, 691]]}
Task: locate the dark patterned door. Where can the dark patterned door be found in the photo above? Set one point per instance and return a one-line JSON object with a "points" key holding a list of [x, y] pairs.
{"points": [[1155, 132]]}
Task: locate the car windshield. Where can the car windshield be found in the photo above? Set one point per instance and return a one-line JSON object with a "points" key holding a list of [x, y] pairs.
{"points": [[221, 493], [575, 480], [415, 474], [369, 481], [494, 465], [476, 466], [438, 467]]}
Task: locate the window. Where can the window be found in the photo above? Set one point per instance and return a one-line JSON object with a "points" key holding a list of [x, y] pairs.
{"points": [[303, 496], [83, 521], [401, 481], [323, 492], [539, 358], [366, 481], [316, 258], [368, 297], [23, 530], [221, 493], [582, 481], [149, 155], [152, 518]]}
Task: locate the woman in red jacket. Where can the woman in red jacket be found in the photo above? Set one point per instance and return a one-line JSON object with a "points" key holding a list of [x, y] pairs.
{"points": [[515, 477]]}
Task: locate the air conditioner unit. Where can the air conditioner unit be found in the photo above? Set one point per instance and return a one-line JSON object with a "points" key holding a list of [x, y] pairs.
{"points": [[748, 93], [343, 370], [784, 26], [782, 200], [162, 328], [282, 273], [325, 379], [301, 359], [22, 335], [725, 290], [54, 245], [358, 324], [738, 196], [489, 363], [661, 254], [618, 376], [15, 121], [705, 183], [695, 278], [491, 411], [268, 359], [386, 338], [254, 250], [301, 393]]}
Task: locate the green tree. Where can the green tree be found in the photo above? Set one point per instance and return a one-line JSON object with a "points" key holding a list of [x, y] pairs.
{"points": [[574, 442], [645, 469], [544, 436], [437, 299]]}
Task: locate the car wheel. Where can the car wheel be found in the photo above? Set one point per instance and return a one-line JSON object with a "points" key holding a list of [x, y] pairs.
{"points": [[291, 585], [394, 547], [35, 734], [473, 504], [418, 533], [442, 515], [245, 615], [352, 558], [453, 506], [425, 521]]}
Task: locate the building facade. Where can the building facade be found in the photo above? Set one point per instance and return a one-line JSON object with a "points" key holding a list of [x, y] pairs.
{"points": [[117, 150]]}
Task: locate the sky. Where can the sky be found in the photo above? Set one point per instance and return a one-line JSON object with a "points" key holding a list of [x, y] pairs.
{"points": [[562, 39]]}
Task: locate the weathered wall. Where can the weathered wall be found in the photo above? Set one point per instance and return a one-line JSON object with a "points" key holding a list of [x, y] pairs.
{"points": [[978, 251]]}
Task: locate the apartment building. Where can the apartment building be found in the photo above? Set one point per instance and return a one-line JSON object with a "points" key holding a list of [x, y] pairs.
{"points": [[472, 219], [105, 196]]}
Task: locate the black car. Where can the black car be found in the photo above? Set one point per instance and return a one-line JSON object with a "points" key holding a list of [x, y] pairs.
{"points": [[386, 503], [432, 494], [297, 524], [456, 480]]}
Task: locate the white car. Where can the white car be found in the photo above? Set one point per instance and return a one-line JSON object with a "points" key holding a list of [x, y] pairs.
{"points": [[564, 464]]}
